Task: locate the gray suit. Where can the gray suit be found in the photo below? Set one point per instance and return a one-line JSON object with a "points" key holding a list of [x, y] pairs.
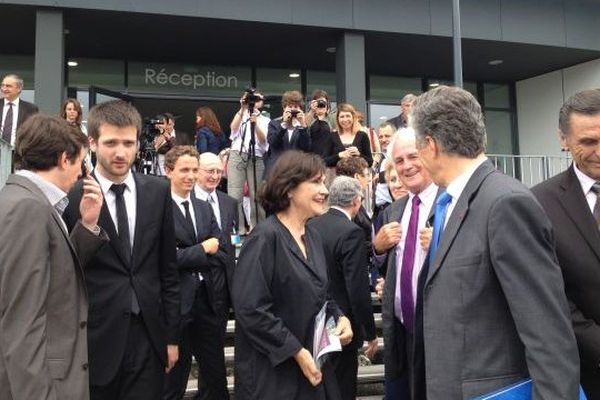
{"points": [[43, 304], [493, 303]]}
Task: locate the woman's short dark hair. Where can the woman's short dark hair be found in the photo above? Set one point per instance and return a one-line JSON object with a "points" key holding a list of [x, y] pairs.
{"points": [[43, 138], [290, 170], [350, 166]]}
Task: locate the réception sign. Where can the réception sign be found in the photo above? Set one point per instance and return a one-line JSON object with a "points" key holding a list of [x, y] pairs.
{"points": [[179, 78]]}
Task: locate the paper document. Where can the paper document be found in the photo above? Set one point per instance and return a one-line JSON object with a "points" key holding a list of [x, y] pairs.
{"points": [[325, 341]]}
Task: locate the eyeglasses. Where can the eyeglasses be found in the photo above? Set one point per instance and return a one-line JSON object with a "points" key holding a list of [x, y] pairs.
{"points": [[213, 171]]}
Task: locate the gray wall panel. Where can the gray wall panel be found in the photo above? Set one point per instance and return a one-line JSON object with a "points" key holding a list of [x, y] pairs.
{"points": [[583, 23], [330, 13], [533, 21], [441, 17], [279, 11], [481, 19], [409, 16]]}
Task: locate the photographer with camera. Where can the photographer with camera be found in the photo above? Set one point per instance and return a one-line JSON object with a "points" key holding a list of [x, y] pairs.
{"points": [[288, 132], [242, 167], [324, 142], [164, 139]]}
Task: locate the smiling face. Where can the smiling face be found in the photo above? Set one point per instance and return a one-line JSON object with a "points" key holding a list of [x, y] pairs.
{"points": [[345, 120], [10, 88], [309, 197], [115, 151], [409, 168], [210, 173], [396, 187], [583, 141], [183, 175]]}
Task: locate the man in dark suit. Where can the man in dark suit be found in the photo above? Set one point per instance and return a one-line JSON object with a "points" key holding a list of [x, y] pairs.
{"points": [[200, 250], [212, 365], [572, 204], [401, 120], [401, 245], [491, 309], [133, 284], [343, 242], [43, 351], [288, 132], [14, 110]]}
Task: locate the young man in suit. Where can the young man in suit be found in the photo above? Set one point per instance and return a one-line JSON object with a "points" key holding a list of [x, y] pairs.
{"points": [[200, 250], [572, 204], [401, 245], [491, 309], [44, 351], [212, 365], [343, 242], [133, 284], [14, 111]]}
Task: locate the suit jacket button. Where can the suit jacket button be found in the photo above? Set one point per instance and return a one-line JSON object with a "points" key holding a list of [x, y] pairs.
{"points": [[82, 324], [85, 366]]}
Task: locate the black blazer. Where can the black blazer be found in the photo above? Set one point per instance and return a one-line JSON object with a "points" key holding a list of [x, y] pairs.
{"points": [[191, 257], [229, 219], [26, 110], [277, 137], [363, 144], [343, 244], [578, 250], [152, 272]]}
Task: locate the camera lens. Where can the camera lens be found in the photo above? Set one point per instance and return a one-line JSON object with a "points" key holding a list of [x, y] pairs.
{"points": [[321, 104]]}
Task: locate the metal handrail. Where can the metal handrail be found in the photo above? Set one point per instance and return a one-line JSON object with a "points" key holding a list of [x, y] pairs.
{"points": [[530, 169]]}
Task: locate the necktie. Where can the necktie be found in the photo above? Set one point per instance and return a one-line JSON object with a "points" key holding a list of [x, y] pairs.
{"points": [[8, 123], [123, 233], [404, 300], [596, 213], [441, 206], [215, 206], [188, 216]]}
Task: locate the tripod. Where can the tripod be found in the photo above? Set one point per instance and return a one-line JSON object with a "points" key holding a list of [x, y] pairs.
{"points": [[252, 154]]}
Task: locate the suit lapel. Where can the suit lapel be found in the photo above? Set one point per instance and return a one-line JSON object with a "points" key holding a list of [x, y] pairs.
{"points": [[458, 216], [224, 213], [142, 194], [576, 207]]}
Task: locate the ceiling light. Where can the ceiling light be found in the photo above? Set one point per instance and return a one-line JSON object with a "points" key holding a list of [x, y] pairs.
{"points": [[434, 84], [495, 62], [383, 117], [294, 75], [330, 49], [72, 63]]}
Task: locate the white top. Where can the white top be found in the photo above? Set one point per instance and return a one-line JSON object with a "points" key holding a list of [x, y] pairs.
{"points": [[15, 108], [130, 196], [427, 198], [456, 187], [586, 185], [262, 122], [179, 201], [212, 199]]}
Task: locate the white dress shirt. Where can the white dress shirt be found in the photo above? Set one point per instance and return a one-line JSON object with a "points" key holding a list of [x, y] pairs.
{"points": [[15, 110], [586, 185], [179, 201], [130, 197], [458, 184], [212, 199]]}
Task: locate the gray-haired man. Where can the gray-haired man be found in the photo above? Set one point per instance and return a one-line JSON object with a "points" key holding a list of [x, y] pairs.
{"points": [[343, 242], [14, 110]]}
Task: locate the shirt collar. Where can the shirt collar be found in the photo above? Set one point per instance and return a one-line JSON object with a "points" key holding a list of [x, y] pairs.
{"points": [[426, 196], [178, 199], [106, 183], [202, 194], [585, 181], [343, 211], [55, 195], [15, 102], [458, 184]]}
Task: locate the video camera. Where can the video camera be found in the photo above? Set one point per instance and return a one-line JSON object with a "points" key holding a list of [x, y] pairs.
{"points": [[250, 97], [149, 130]]}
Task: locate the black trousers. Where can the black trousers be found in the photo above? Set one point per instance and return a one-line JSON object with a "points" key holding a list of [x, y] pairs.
{"points": [[203, 336], [346, 371], [140, 376]]}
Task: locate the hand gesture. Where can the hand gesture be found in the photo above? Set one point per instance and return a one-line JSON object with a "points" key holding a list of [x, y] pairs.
{"points": [[379, 287], [388, 236], [211, 245], [344, 330], [425, 237], [308, 367], [172, 357], [91, 202], [371, 348]]}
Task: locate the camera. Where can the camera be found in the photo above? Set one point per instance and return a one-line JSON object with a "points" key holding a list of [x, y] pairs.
{"points": [[149, 131], [321, 103], [294, 113], [251, 97]]}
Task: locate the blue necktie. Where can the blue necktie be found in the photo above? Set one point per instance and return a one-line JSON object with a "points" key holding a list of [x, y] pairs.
{"points": [[441, 206]]}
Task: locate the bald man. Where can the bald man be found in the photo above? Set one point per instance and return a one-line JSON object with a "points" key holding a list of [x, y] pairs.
{"points": [[214, 316]]}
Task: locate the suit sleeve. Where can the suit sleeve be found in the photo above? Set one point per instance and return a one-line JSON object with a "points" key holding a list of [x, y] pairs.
{"points": [[587, 332], [253, 303], [169, 276], [523, 258], [86, 243], [25, 283], [275, 135], [304, 140], [356, 274]]}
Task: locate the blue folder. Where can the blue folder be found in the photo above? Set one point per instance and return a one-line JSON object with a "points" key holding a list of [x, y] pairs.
{"points": [[517, 391]]}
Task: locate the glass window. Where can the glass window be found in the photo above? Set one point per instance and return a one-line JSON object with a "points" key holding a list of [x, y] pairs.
{"points": [[379, 113], [84, 99], [499, 132], [108, 74], [496, 95], [19, 65], [392, 88], [320, 80], [194, 80], [274, 82]]}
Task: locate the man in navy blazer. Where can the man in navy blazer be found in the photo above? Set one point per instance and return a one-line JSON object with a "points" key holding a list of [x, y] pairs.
{"points": [[200, 250]]}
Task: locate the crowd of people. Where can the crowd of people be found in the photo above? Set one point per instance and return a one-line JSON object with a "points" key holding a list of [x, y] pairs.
{"points": [[112, 279]]}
